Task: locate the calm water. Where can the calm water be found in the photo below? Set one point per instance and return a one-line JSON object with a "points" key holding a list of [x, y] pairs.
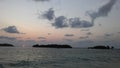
{"points": [[58, 58]]}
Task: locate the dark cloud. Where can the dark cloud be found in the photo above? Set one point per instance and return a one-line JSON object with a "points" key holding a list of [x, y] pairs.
{"points": [[41, 0], [49, 14], [89, 33], [108, 35], [11, 29], [84, 37], [77, 23], [41, 38], [7, 38], [69, 35], [102, 11], [60, 22]]}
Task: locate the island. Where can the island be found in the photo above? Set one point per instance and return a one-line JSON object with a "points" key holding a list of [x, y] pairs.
{"points": [[6, 45], [52, 46], [101, 47]]}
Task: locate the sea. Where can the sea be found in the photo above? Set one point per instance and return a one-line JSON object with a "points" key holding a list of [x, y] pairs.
{"points": [[16, 57]]}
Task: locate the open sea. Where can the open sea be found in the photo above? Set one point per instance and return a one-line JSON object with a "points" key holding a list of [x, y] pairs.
{"points": [[12, 57]]}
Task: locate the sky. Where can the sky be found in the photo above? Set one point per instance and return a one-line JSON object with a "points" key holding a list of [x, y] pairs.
{"points": [[80, 23]]}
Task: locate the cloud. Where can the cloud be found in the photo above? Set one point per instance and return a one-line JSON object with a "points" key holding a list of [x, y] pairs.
{"points": [[41, 38], [69, 35], [108, 35], [60, 22], [11, 29], [102, 11], [84, 37], [77, 23], [41, 0], [7, 38], [89, 33], [63, 22], [49, 14]]}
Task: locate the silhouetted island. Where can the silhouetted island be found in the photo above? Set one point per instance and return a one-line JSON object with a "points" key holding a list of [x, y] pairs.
{"points": [[6, 45], [101, 47], [52, 46]]}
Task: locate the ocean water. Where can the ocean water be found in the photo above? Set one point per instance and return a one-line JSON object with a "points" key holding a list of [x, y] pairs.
{"points": [[58, 58]]}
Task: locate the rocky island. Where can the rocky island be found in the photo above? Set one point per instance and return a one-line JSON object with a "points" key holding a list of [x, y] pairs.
{"points": [[52, 46], [6, 45], [101, 47]]}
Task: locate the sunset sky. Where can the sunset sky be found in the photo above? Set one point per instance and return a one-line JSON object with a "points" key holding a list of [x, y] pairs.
{"points": [[80, 23]]}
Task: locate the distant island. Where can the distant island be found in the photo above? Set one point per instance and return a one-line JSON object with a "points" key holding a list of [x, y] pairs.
{"points": [[6, 45], [52, 46], [101, 47]]}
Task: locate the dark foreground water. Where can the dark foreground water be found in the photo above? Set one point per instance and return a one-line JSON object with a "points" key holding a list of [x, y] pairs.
{"points": [[58, 58]]}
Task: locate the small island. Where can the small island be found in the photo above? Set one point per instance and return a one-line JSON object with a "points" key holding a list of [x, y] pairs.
{"points": [[52, 46], [101, 47], [6, 45]]}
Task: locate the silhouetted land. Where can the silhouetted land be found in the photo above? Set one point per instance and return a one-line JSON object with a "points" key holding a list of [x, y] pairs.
{"points": [[52, 46], [6, 45], [101, 47]]}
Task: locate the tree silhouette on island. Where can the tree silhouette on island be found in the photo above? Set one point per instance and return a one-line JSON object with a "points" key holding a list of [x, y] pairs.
{"points": [[59, 46], [6, 45], [101, 47], [52, 46]]}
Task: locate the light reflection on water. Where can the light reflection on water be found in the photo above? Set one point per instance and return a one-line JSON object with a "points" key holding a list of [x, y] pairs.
{"points": [[58, 58]]}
